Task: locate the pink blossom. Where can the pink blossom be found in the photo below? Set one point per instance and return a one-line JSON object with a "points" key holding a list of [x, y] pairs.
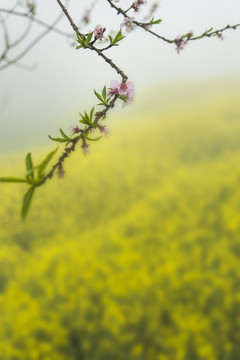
{"points": [[129, 93], [114, 86], [85, 147], [92, 130], [99, 32], [123, 88], [86, 17], [136, 4], [104, 130], [129, 24], [152, 11], [146, 26], [154, 8], [180, 42], [126, 90], [75, 130], [220, 36]]}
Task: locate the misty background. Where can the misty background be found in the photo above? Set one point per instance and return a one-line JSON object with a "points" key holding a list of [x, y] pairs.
{"points": [[135, 254], [36, 103]]}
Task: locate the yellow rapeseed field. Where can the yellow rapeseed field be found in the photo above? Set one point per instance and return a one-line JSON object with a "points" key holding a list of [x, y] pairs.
{"points": [[135, 255]]}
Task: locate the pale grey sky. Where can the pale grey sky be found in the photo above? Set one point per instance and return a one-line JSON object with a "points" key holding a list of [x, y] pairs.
{"points": [[39, 102]]}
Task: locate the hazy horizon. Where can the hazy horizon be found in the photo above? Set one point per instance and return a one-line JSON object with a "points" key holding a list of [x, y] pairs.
{"points": [[62, 85]]}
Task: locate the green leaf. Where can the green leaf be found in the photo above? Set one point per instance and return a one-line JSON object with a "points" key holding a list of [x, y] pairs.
{"points": [[79, 47], [64, 135], [91, 114], [154, 22], [122, 97], [57, 139], [89, 38], [104, 92], [84, 40], [117, 38], [29, 165], [103, 101], [44, 163], [79, 39], [85, 122], [27, 201], [10, 179], [90, 139], [209, 30], [98, 96], [87, 119]]}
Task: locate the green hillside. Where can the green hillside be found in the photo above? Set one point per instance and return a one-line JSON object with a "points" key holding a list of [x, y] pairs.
{"points": [[135, 254]]}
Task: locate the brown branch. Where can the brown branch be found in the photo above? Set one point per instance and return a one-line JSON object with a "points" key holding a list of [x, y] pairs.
{"points": [[61, 159], [91, 47], [69, 150], [215, 32], [98, 116], [170, 41]]}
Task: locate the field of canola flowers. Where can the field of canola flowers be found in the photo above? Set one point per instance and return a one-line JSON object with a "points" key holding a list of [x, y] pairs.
{"points": [[135, 255]]}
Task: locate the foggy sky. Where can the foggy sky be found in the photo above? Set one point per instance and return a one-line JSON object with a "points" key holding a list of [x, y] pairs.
{"points": [[33, 104]]}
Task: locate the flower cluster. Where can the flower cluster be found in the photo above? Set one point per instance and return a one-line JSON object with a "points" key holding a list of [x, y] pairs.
{"points": [[220, 35], [126, 91], [151, 12], [104, 130], [99, 32], [136, 4], [128, 23], [153, 8], [180, 43], [75, 130], [85, 147], [86, 17]]}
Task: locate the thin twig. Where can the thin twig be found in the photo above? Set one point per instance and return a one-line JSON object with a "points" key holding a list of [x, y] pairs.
{"points": [[36, 20], [69, 150], [31, 45], [170, 41], [23, 35], [91, 47], [98, 116], [6, 39]]}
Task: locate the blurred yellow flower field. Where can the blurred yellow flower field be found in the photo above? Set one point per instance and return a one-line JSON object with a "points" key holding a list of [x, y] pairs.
{"points": [[136, 254]]}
